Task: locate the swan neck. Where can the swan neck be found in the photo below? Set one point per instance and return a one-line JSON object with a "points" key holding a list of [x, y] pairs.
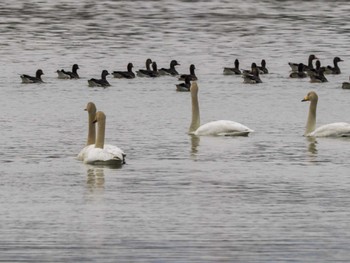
{"points": [[195, 123], [311, 120], [92, 129], [100, 139]]}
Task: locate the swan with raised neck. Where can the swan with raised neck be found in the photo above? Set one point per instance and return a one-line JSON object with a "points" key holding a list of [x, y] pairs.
{"points": [[311, 119], [337, 129], [216, 128], [91, 138], [101, 153]]}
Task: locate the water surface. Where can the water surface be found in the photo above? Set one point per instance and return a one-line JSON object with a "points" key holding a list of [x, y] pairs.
{"points": [[274, 196]]}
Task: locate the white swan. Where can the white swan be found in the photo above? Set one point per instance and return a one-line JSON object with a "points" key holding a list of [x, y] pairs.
{"points": [[221, 127], [101, 154], [91, 109], [337, 129]]}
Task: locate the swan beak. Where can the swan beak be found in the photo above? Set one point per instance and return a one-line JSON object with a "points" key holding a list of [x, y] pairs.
{"points": [[306, 98]]}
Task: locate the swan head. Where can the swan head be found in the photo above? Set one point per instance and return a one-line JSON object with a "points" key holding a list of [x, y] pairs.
{"points": [[100, 117], [311, 96], [90, 107], [194, 87]]}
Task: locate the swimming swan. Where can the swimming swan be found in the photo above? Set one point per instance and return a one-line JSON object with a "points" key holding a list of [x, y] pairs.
{"points": [[337, 129], [221, 127], [90, 144], [101, 154]]}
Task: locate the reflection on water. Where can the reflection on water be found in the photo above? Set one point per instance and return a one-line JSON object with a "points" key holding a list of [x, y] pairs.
{"points": [[312, 145], [95, 180], [179, 198], [194, 144]]}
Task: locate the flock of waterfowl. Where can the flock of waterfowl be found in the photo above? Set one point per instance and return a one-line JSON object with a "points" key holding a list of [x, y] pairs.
{"points": [[252, 76], [129, 74], [97, 152]]}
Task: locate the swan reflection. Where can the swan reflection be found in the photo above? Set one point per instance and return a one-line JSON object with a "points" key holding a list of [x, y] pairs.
{"points": [[312, 145], [95, 179], [194, 144]]}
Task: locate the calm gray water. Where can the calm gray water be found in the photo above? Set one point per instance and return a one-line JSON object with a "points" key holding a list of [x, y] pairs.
{"points": [[274, 196]]}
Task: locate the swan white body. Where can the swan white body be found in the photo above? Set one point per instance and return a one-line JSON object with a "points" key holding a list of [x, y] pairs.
{"points": [[108, 153], [101, 154], [337, 129], [214, 128], [223, 127], [84, 152]]}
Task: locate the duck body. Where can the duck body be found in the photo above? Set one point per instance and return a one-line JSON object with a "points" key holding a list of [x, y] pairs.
{"points": [[335, 69], [294, 66], [346, 85], [62, 74], [170, 71], [125, 74], [252, 77], [145, 72], [100, 82], [262, 69], [192, 74], [30, 79], [185, 87], [150, 73], [316, 70], [300, 74], [317, 76], [233, 71]]}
